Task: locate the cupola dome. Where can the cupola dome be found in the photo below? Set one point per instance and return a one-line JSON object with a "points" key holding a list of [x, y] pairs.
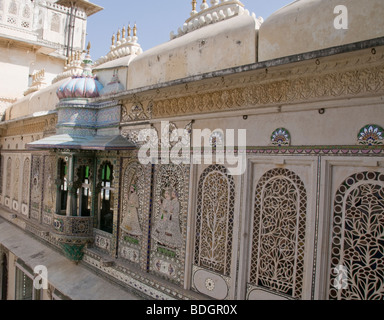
{"points": [[84, 86]]}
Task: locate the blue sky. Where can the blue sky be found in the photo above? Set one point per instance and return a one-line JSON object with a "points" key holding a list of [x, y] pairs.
{"points": [[155, 19]]}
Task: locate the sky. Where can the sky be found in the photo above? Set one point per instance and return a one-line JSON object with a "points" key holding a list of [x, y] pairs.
{"points": [[155, 19]]}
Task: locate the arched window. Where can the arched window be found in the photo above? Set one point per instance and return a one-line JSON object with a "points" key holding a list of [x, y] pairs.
{"points": [[106, 197], [277, 259], [357, 246], [63, 176], [214, 221], [55, 23]]}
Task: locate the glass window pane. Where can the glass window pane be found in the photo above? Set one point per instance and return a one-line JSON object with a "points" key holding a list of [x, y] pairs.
{"points": [[24, 286]]}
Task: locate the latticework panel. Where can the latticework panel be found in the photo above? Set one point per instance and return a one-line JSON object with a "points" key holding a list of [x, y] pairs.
{"points": [[214, 221], [16, 177], [357, 253], [279, 233], [26, 180], [8, 178]]}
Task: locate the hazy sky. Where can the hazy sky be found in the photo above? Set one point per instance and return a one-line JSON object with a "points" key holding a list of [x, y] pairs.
{"points": [[155, 19]]}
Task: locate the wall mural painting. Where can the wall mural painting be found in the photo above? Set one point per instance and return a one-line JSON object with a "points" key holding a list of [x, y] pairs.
{"points": [[167, 230], [49, 194], [130, 223], [134, 214], [169, 221]]}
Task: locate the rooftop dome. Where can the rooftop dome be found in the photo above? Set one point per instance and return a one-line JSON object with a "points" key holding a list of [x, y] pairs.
{"points": [[84, 86], [310, 25]]}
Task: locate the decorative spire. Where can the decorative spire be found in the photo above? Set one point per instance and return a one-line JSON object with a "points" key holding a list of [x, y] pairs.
{"points": [[124, 45], [218, 11], [194, 4], [204, 5], [129, 30], [118, 35], [87, 70]]}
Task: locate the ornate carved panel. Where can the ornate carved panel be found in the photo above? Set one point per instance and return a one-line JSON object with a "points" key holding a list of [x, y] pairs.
{"points": [[36, 187], [134, 212], [214, 220], [49, 186], [169, 221], [16, 179], [8, 178], [357, 248], [214, 233], [258, 91], [277, 260], [26, 180], [1, 174]]}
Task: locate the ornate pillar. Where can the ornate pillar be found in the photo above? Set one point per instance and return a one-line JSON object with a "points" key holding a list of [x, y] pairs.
{"points": [[71, 200]]}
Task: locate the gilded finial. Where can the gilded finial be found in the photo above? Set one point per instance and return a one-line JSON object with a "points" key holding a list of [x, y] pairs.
{"points": [[118, 35], [194, 4], [113, 39], [89, 47], [123, 33], [129, 30], [135, 30]]}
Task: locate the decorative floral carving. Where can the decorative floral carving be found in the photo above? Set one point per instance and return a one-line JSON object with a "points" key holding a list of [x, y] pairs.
{"points": [[281, 137], [371, 135], [214, 220], [26, 180], [357, 238], [36, 186], [136, 111], [16, 180], [279, 233], [8, 178], [276, 91]]}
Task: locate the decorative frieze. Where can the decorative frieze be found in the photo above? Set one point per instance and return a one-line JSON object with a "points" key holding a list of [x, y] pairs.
{"points": [[301, 89]]}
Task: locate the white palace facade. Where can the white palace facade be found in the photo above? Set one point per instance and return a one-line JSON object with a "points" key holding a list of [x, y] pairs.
{"points": [[283, 200]]}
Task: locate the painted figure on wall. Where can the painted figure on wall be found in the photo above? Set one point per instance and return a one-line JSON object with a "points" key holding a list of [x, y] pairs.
{"points": [[167, 231], [130, 223]]}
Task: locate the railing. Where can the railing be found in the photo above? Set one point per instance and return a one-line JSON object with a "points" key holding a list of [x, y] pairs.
{"points": [[72, 228]]}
